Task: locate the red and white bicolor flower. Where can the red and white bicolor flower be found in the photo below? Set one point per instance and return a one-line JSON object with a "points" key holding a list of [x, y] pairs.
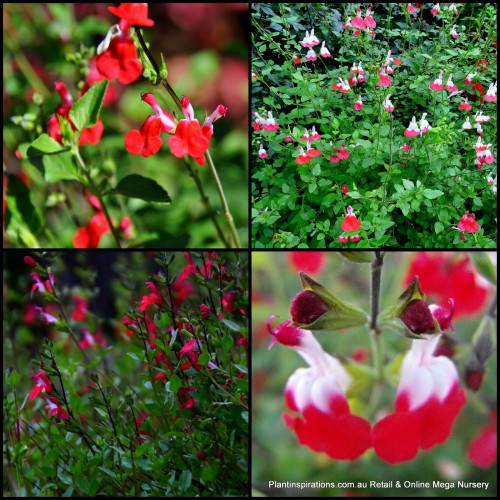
{"points": [[49, 319], [358, 105], [311, 55], [437, 84], [43, 385], [480, 118], [270, 124], [358, 22], [479, 129], [311, 152], [302, 159], [453, 31], [428, 400], [369, 21], [450, 86], [309, 41], [435, 9], [262, 151], [54, 409], [361, 71], [491, 94], [467, 125], [405, 147], [384, 80], [350, 222], [354, 68], [314, 135], [468, 78], [465, 104], [317, 394], [388, 106], [40, 285], [424, 124], [413, 130], [324, 52], [492, 182], [305, 136], [453, 8]]}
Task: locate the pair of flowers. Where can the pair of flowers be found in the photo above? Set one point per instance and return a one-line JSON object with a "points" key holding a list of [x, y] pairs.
{"points": [[190, 138], [44, 387], [267, 124], [414, 129], [428, 400]]}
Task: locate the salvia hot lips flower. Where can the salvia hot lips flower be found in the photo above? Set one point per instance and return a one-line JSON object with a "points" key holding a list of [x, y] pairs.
{"points": [[467, 224], [43, 385], [450, 86], [388, 106], [324, 52], [311, 55], [437, 84], [117, 54], [262, 151], [317, 394], [358, 105], [491, 94], [428, 401], [413, 129]]}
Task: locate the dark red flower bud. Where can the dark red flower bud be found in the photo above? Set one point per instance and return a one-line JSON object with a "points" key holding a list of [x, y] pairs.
{"points": [[418, 317], [30, 261], [201, 455], [474, 377], [307, 307]]}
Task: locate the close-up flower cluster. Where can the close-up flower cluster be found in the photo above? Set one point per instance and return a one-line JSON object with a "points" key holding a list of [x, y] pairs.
{"points": [[399, 369]]}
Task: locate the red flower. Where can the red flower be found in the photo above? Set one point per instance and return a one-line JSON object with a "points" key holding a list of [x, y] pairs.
{"points": [[358, 22], [54, 409], [117, 56], [468, 224], [80, 311], [442, 275], [351, 222], [482, 450], [41, 286], [153, 298], [162, 376], [133, 13], [311, 263], [146, 140], [343, 153], [43, 384], [437, 84], [89, 236], [189, 346], [344, 188], [190, 139], [303, 158]]}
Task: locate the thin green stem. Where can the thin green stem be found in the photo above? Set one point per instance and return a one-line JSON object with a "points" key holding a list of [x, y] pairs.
{"points": [[375, 284]]}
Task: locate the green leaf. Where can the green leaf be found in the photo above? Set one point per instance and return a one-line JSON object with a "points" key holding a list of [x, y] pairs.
{"points": [[438, 227], [354, 194], [408, 184], [19, 195], [137, 186], [204, 358], [175, 383], [108, 472], [227, 342], [185, 480], [60, 167], [432, 194], [232, 325], [44, 145], [85, 111], [13, 378]]}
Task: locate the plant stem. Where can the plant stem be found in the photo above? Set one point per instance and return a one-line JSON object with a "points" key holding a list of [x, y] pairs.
{"points": [[375, 283], [96, 191]]}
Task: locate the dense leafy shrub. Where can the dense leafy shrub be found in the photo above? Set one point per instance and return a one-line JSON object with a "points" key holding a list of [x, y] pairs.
{"points": [[133, 391], [361, 94]]}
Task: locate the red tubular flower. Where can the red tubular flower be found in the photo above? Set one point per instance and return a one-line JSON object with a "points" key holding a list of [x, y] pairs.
{"points": [[54, 409], [317, 394], [468, 224], [429, 399], [146, 140], [351, 222], [188, 346], [358, 22], [190, 139], [133, 13], [437, 84], [302, 159], [153, 298], [43, 384], [40, 285], [344, 188], [311, 263]]}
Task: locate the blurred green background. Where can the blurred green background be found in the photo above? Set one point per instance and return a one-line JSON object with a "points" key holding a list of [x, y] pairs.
{"points": [[205, 48], [276, 454]]}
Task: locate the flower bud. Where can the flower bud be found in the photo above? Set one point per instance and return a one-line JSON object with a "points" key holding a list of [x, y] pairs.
{"points": [[316, 309], [474, 375], [412, 317]]}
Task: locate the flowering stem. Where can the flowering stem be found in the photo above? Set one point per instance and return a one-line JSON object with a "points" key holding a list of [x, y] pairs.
{"points": [[95, 190], [213, 171]]}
